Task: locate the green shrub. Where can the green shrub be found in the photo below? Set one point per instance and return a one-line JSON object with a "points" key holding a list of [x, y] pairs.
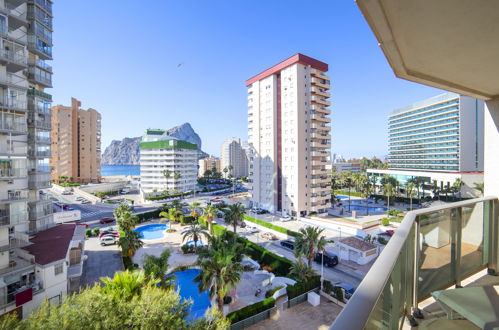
{"points": [[271, 292], [251, 310], [96, 231], [382, 240], [303, 287], [385, 221], [171, 230], [146, 216], [128, 264], [271, 226], [337, 292], [69, 184], [187, 220], [394, 212], [327, 287], [88, 232], [187, 249], [101, 194]]}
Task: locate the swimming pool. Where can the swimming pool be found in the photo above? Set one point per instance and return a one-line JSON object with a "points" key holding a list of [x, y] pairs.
{"points": [[363, 208], [341, 196], [154, 231], [360, 202], [189, 290]]}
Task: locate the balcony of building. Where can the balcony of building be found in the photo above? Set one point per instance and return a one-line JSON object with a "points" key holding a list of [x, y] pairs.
{"points": [[8, 174], [36, 93], [16, 13], [433, 250], [40, 209], [319, 117], [39, 47], [13, 102], [13, 196], [321, 83], [317, 144], [320, 100], [46, 5], [319, 74], [13, 124], [38, 180], [13, 56], [41, 15], [39, 121], [320, 126], [36, 136], [8, 150], [40, 77], [320, 109], [324, 94], [320, 135], [10, 80], [15, 240]]}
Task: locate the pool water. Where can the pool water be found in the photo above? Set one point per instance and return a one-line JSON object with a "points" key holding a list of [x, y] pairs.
{"points": [[152, 231], [363, 208], [189, 290], [341, 196], [360, 202]]}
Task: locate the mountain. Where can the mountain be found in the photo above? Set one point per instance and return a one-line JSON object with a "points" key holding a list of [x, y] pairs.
{"points": [[126, 151]]}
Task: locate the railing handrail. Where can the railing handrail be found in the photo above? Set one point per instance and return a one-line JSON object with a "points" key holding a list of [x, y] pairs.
{"points": [[356, 313]]}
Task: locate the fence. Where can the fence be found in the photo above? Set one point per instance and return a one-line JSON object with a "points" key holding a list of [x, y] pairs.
{"points": [[301, 298], [253, 319]]}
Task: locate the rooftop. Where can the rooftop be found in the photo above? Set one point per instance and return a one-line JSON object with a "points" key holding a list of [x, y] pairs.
{"points": [[358, 243], [52, 244], [297, 58], [445, 97]]}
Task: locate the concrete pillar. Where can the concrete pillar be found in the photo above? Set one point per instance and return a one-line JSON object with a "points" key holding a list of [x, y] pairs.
{"points": [[491, 148]]}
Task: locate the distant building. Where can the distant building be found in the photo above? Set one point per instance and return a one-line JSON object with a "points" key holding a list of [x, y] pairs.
{"points": [[346, 166], [233, 155], [336, 158], [159, 153], [208, 163], [357, 250], [289, 136], [76, 143]]}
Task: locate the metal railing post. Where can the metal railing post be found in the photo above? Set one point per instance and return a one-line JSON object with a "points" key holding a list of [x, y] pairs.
{"points": [[493, 246], [416, 312]]}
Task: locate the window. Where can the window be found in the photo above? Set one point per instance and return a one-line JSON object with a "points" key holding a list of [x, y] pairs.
{"points": [[59, 268]]}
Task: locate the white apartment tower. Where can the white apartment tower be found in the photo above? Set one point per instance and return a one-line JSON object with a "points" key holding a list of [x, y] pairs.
{"points": [[233, 157], [289, 136], [167, 163]]}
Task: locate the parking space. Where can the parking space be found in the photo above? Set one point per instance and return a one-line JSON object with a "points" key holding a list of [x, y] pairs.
{"points": [[101, 261]]}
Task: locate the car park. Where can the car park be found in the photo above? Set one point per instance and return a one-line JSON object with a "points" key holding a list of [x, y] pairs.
{"points": [[269, 236], [108, 240], [288, 244], [329, 259], [113, 233], [107, 220]]}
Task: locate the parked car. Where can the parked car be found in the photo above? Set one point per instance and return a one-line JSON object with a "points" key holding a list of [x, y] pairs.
{"points": [[349, 290], [64, 206], [107, 220], [286, 218], [330, 259], [389, 232], [108, 240], [288, 244], [252, 229], [67, 192], [124, 191], [82, 224], [79, 198], [85, 202], [113, 233], [70, 208], [269, 236]]}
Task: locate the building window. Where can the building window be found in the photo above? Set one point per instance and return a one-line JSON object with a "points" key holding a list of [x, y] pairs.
{"points": [[59, 268]]}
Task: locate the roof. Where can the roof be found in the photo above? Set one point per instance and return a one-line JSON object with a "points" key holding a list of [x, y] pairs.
{"points": [[165, 144], [151, 131], [357, 243], [52, 244], [297, 58]]}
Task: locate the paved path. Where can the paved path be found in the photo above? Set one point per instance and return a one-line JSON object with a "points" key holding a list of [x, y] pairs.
{"points": [[101, 261]]}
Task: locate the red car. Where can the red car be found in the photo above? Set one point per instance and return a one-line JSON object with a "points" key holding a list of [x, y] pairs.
{"points": [[109, 233], [83, 224], [107, 220]]}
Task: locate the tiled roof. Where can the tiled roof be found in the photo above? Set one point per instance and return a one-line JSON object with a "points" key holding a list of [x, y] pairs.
{"points": [[357, 243], [52, 244]]}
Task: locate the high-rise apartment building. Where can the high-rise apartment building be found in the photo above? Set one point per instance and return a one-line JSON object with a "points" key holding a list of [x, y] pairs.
{"points": [[76, 143], [209, 163], [233, 158], [289, 136], [162, 154]]}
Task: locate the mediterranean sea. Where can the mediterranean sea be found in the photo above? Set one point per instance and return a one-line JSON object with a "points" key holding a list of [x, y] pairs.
{"points": [[112, 170]]}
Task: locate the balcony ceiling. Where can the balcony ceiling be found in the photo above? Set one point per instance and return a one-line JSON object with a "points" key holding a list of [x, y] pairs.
{"points": [[447, 44]]}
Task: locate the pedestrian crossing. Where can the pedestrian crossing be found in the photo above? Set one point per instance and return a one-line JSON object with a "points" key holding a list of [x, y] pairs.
{"points": [[86, 215]]}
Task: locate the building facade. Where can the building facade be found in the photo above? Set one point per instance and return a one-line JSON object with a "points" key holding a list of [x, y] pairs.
{"points": [[289, 136], [76, 143], [233, 158], [209, 163], [167, 163], [340, 167]]}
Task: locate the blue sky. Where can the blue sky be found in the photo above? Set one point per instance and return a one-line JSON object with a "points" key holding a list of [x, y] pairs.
{"points": [[120, 57]]}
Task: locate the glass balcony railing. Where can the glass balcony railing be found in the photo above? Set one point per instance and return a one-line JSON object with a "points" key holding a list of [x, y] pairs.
{"points": [[433, 249]]}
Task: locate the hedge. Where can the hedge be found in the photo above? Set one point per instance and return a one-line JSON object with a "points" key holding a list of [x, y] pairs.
{"points": [[251, 310], [157, 198], [335, 291], [343, 192], [146, 216], [303, 287], [271, 226], [101, 194]]}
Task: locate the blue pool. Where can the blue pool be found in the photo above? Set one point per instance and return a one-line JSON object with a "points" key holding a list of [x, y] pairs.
{"points": [[363, 208], [189, 290], [152, 231], [341, 196], [360, 202]]}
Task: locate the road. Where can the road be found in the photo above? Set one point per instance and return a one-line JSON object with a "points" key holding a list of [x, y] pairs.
{"points": [[101, 261]]}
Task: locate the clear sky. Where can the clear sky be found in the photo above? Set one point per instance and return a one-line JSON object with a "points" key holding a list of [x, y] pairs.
{"points": [[121, 57]]}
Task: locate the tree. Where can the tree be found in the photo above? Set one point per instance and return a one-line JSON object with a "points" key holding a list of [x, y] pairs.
{"points": [[210, 213], [207, 173], [194, 231], [175, 215], [411, 190], [308, 241], [479, 186], [155, 267], [435, 189], [225, 170], [167, 174], [367, 190], [388, 191], [220, 273], [100, 308], [125, 285], [194, 209], [127, 221], [457, 186], [120, 210], [177, 175], [129, 242], [233, 215], [302, 270]]}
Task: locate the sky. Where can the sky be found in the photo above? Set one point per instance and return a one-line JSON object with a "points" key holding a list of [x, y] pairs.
{"points": [[169, 62]]}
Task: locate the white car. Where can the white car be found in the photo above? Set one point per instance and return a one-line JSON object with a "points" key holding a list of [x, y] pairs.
{"points": [[252, 229], [286, 218], [108, 240]]}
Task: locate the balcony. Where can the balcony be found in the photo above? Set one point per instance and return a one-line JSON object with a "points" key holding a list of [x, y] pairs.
{"points": [[45, 5], [15, 61], [14, 81], [432, 250], [35, 13], [40, 209], [319, 74], [320, 126], [40, 124], [320, 100], [35, 92], [17, 17], [315, 144], [40, 77], [12, 173], [39, 180], [13, 196], [14, 127], [320, 109], [9, 150], [320, 136], [316, 91], [319, 117], [321, 83], [13, 104], [39, 47], [15, 241], [319, 153]]}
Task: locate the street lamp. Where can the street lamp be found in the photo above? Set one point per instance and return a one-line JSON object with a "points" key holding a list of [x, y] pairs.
{"points": [[322, 271]]}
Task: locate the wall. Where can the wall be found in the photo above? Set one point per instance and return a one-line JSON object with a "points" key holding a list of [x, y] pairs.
{"points": [[491, 163], [471, 136]]}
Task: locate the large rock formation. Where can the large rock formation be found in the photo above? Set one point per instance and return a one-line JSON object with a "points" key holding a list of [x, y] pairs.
{"points": [[126, 151]]}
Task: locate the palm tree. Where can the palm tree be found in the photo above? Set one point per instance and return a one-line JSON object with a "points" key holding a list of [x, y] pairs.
{"points": [[366, 191], [125, 285], [174, 215], [411, 190], [207, 173], [348, 181], [308, 241], [120, 210], [194, 231], [167, 174], [388, 190], [220, 273], [301, 270], [233, 215], [156, 267], [210, 213], [194, 209], [457, 186], [225, 170], [129, 242], [479, 186], [127, 221]]}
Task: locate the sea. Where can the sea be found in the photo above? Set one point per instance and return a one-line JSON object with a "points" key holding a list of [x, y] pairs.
{"points": [[112, 170]]}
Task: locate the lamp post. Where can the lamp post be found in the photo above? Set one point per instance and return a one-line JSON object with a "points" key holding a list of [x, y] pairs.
{"points": [[322, 271]]}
